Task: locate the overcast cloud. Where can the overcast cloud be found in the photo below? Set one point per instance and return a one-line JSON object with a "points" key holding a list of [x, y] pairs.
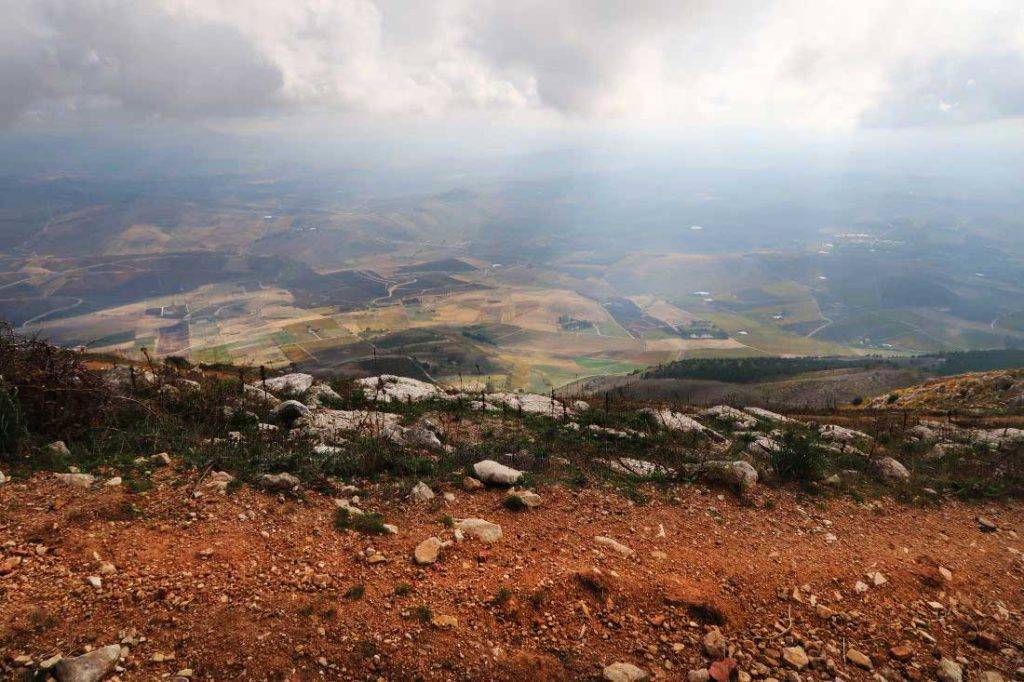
{"points": [[820, 65]]}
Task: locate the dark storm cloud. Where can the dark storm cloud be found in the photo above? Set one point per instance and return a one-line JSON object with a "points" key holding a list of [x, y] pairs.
{"points": [[133, 56]]}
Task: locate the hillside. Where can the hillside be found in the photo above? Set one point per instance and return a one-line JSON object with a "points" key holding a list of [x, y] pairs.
{"points": [[204, 524], [998, 391]]}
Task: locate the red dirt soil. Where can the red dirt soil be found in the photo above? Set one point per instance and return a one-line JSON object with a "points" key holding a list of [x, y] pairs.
{"points": [[254, 586]]}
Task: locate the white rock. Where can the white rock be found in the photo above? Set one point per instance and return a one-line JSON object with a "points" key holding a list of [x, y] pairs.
{"points": [[77, 480], [3, 479], [635, 467], [676, 421], [769, 416], [388, 387], [839, 434], [113, 482], [730, 415], [421, 492], [259, 395], [289, 383], [332, 425], [58, 448], [428, 551], [613, 545], [624, 672], [319, 393], [278, 482], [484, 531], [738, 474], [890, 469], [527, 497], [494, 473], [95, 581]]}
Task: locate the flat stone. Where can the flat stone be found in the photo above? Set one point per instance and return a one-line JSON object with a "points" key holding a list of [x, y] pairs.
{"points": [[76, 480], [421, 492], [795, 657], [484, 531], [278, 482], [90, 667], [427, 551], [859, 659], [949, 671], [614, 545], [493, 473], [624, 672]]}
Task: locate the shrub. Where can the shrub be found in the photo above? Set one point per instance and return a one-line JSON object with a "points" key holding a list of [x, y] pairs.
{"points": [[368, 524], [355, 592], [403, 590], [12, 424], [514, 503], [798, 460]]}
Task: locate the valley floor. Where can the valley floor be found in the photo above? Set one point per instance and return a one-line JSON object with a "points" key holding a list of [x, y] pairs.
{"points": [[248, 585]]}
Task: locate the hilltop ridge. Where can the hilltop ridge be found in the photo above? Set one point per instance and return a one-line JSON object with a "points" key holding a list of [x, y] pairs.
{"points": [[168, 520]]}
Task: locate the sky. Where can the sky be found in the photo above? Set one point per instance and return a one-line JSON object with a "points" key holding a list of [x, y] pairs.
{"points": [[231, 65]]}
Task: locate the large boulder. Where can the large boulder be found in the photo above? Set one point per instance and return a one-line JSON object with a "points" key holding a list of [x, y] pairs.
{"points": [[289, 411], [277, 483], [737, 419], [636, 467], [839, 434], [769, 416], [493, 473], [333, 425], [388, 387], [676, 421], [289, 383], [889, 469], [258, 394], [319, 393], [739, 475], [90, 667]]}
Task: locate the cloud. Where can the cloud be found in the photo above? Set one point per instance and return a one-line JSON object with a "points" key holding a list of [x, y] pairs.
{"points": [[134, 56], [828, 64], [953, 89]]}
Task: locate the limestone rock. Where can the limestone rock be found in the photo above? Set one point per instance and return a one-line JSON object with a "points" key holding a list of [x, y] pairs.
{"points": [[289, 411], [297, 382], [795, 657], [859, 659], [77, 480], [388, 387], [891, 470], [949, 671], [427, 551], [492, 473], [624, 672], [277, 483], [715, 645], [421, 492], [614, 545], [90, 667], [484, 531]]}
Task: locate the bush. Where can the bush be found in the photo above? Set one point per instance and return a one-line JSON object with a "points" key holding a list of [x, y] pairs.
{"points": [[798, 460], [368, 524], [12, 425]]}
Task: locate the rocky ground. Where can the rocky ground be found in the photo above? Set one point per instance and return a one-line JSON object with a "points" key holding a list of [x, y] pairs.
{"points": [[197, 579]]}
